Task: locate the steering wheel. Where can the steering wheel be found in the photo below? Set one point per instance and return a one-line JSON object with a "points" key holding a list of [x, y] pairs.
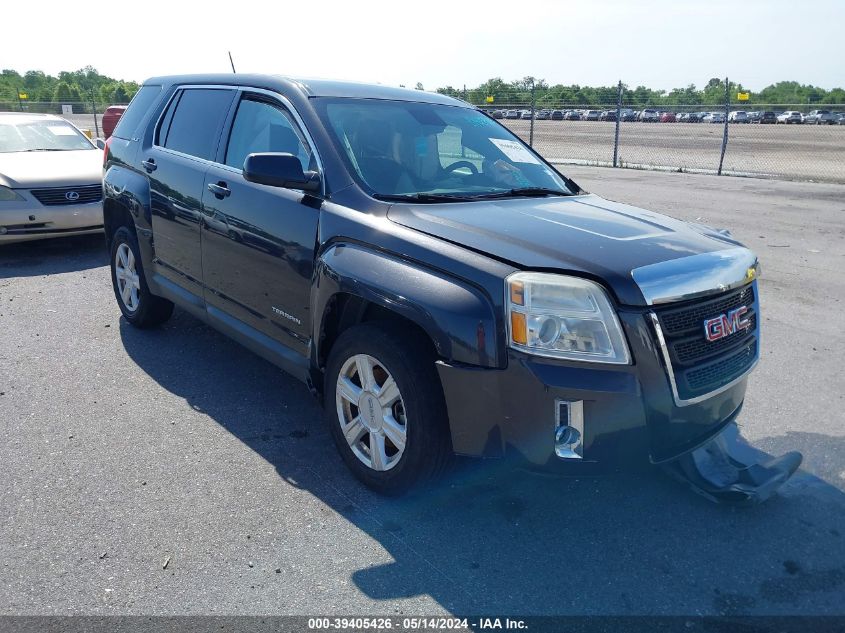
{"points": [[462, 163]]}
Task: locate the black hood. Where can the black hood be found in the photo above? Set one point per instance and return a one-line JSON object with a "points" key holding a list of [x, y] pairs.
{"points": [[580, 234]]}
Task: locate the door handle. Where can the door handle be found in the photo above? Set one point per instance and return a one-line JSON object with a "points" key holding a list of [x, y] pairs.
{"points": [[149, 165], [220, 190]]}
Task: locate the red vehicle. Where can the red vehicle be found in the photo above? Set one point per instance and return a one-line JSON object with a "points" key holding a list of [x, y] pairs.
{"points": [[110, 118], [667, 117]]}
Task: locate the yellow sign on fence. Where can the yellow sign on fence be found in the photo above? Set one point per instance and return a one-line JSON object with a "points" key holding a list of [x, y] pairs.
{"points": [[743, 96], [490, 99], [23, 95]]}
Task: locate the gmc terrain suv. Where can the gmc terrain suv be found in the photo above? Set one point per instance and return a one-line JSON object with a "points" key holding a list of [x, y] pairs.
{"points": [[434, 280]]}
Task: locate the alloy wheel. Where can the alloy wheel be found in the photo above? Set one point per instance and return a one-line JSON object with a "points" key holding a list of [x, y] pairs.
{"points": [[126, 274], [371, 412]]}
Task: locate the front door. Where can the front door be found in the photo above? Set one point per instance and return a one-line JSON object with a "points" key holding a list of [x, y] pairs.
{"points": [[258, 241]]}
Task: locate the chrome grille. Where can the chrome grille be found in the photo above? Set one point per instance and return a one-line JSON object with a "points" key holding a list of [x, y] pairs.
{"points": [[716, 374], [700, 366], [55, 196], [689, 318], [697, 347]]}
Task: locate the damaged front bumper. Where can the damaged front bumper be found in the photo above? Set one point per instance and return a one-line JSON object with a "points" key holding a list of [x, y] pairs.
{"points": [[728, 470], [550, 413]]}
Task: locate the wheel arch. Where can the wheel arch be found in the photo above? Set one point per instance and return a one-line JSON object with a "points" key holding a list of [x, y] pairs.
{"points": [[355, 284], [126, 202], [115, 215]]}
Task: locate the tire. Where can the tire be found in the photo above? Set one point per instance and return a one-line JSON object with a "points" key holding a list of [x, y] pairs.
{"points": [[392, 351], [139, 306]]}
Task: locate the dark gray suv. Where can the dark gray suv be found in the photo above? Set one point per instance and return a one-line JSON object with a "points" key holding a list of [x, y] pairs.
{"points": [[434, 280]]}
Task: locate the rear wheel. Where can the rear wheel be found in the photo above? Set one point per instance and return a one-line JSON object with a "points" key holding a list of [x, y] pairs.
{"points": [[385, 407], [139, 306]]}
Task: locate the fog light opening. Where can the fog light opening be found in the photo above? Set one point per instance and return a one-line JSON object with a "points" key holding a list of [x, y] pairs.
{"points": [[569, 429]]}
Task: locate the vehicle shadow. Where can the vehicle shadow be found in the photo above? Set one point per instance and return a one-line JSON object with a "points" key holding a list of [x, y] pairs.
{"points": [[496, 539], [52, 256]]}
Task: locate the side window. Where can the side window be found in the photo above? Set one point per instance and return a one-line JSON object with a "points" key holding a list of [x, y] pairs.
{"points": [[161, 133], [193, 121], [260, 126], [141, 102]]}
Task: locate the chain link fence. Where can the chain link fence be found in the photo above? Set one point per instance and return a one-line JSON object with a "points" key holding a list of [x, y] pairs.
{"points": [[686, 138], [788, 141]]}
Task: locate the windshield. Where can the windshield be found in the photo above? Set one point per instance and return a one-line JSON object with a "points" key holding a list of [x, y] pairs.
{"points": [[403, 149], [47, 135]]}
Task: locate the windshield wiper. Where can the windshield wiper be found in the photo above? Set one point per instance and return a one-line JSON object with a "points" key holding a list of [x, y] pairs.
{"points": [[422, 197], [524, 191], [45, 149], [451, 197]]}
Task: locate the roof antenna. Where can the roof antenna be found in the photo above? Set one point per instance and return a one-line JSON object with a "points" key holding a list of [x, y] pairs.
{"points": [[231, 62]]}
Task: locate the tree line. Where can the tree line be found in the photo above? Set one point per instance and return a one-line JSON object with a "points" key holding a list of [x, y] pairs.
{"points": [[713, 94], [87, 89], [84, 88]]}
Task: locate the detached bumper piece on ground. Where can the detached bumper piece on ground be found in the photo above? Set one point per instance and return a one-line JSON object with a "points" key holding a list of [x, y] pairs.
{"points": [[728, 470]]}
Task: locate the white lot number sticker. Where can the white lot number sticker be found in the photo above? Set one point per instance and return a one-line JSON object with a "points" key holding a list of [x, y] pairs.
{"points": [[513, 150], [61, 130]]}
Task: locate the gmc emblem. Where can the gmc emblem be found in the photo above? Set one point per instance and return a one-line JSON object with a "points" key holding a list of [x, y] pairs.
{"points": [[726, 324]]}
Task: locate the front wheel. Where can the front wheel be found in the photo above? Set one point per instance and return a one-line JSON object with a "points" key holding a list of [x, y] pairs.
{"points": [[139, 306], [385, 407]]}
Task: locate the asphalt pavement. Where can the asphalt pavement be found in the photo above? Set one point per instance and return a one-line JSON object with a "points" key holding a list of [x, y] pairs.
{"points": [[173, 472]]}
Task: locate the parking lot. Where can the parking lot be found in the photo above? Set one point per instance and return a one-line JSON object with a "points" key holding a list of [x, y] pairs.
{"points": [[86, 121], [172, 471], [800, 152]]}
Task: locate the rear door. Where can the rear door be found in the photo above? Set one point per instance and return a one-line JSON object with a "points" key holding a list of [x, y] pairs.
{"points": [[183, 146], [258, 241]]}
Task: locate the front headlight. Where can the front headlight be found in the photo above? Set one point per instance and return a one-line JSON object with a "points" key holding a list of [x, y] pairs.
{"points": [[563, 317], [8, 195]]}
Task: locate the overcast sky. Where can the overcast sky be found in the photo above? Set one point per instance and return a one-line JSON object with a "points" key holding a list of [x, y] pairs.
{"points": [[656, 43]]}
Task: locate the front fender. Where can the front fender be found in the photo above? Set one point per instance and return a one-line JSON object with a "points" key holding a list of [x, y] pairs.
{"points": [[458, 317]]}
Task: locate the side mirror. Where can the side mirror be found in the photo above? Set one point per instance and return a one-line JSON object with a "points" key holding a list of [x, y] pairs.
{"points": [[279, 170], [100, 143]]}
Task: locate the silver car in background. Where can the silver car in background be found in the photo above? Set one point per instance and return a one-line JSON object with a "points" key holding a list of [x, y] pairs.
{"points": [[821, 117], [50, 179], [648, 116], [790, 116]]}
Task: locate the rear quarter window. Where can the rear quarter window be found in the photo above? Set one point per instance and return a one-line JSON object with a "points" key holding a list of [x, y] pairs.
{"points": [[138, 107], [193, 123]]}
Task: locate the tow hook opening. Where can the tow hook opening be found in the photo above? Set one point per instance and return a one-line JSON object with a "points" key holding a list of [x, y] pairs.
{"points": [[729, 470]]}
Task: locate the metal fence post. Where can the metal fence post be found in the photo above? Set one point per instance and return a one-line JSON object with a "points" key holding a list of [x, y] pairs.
{"points": [[618, 121], [725, 136], [94, 110], [531, 131]]}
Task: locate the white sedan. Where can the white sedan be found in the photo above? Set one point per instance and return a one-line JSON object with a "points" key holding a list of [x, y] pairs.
{"points": [[790, 116], [713, 117], [50, 179]]}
